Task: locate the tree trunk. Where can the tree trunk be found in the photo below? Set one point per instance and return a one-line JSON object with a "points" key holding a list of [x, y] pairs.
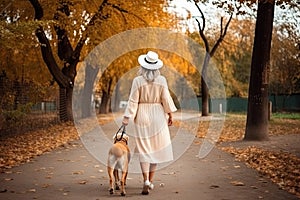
{"points": [[204, 87], [104, 105], [65, 104], [90, 76], [63, 116], [106, 98], [205, 98], [69, 95], [115, 106], [257, 115]]}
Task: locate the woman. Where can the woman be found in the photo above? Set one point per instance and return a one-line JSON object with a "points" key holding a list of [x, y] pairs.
{"points": [[149, 105]]}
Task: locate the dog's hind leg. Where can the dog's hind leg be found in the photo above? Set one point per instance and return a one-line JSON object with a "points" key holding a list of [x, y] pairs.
{"points": [[117, 179], [123, 179], [111, 180]]}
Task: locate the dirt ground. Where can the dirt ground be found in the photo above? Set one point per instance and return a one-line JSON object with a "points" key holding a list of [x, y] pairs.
{"points": [[71, 172]]}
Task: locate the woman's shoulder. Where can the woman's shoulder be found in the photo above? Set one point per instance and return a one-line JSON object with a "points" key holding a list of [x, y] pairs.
{"points": [[138, 78], [161, 79]]}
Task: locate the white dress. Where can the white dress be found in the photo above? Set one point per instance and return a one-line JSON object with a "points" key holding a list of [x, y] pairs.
{"points": [[148, 105]]}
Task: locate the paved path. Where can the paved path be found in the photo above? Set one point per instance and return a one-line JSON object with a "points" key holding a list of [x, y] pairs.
{"points": [[70, 172]]}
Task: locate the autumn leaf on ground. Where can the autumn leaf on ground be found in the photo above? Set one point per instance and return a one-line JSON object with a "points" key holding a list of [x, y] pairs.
{"points": [[281, 167], [237, 183], [83, 182]]}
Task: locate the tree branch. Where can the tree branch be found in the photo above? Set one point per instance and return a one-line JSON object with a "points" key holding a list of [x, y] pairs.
{"points": [[48, 57], [38, 10], [222, 35], [117, 7], [201, 29], [221, 27], [64, 47], [202, 16], [46, 49], [227, 25]]}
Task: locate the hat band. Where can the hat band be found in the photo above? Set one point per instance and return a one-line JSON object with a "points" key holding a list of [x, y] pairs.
{"points": [[149, 61]]}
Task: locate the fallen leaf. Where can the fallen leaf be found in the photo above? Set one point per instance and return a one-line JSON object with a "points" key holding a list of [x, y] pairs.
{"points": [[46, 185], [32, 190], [169, 173], [3, 190], [254, 187], [78, 172], [213, 186], [237, 183], [82, 182]]}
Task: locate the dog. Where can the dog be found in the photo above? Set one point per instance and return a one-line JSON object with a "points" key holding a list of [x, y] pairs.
{"points": [[118, 160]]}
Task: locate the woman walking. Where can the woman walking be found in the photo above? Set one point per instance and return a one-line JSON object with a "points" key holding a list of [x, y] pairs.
{"points": [[150, 106]]}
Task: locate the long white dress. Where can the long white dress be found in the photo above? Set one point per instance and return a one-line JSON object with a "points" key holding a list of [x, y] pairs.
{"points": [[148, 105]]}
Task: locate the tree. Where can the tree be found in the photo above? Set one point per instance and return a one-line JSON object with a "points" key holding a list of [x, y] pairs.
{"points": [[67, 54], [20, 59], [285, 62], [257, 115], [209, 54], [151, 14], [116, 15]]}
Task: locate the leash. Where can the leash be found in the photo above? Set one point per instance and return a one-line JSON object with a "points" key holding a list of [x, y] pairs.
{"points": [[123, 132]]}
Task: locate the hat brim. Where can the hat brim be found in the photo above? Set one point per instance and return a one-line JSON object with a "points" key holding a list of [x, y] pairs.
{"points": [[146, 65]]}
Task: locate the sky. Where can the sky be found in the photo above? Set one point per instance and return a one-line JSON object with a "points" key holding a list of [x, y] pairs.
{"points": [[183, 7]]}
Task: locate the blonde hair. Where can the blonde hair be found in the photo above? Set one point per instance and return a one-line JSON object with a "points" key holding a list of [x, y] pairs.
{"points": [[148, 74]]}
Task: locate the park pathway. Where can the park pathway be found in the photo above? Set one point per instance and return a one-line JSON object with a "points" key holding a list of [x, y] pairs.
{"points": [[70, 172]]}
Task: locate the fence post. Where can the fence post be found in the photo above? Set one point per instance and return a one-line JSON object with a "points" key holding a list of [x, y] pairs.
{"points": [[269, 110]]}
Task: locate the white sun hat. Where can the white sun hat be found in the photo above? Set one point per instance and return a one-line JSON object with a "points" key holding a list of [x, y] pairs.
{"points": [[150, 61]]}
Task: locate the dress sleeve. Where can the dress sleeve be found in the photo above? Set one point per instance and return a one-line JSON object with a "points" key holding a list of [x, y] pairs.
{"points": [[133, 100], [167, 100]]}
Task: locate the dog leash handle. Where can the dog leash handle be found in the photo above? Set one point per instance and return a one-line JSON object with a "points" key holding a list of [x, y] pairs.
{"points": [[123, 132]]}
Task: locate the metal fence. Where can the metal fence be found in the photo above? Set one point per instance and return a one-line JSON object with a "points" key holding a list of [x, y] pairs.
{"points": [[280, 103], [41, 116], [17, 114]]}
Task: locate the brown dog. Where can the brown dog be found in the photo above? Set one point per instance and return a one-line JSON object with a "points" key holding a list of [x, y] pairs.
{"points": [[118, 159]]}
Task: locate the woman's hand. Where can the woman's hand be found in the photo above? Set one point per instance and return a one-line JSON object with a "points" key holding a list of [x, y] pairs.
{"points": [[170, 120], [125, 121]]}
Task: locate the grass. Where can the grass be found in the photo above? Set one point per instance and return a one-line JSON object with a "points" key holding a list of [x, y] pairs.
{"points": [[286, 115]]}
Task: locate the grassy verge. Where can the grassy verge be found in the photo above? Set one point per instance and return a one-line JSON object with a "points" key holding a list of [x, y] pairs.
{"points": [[285, 115]]}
